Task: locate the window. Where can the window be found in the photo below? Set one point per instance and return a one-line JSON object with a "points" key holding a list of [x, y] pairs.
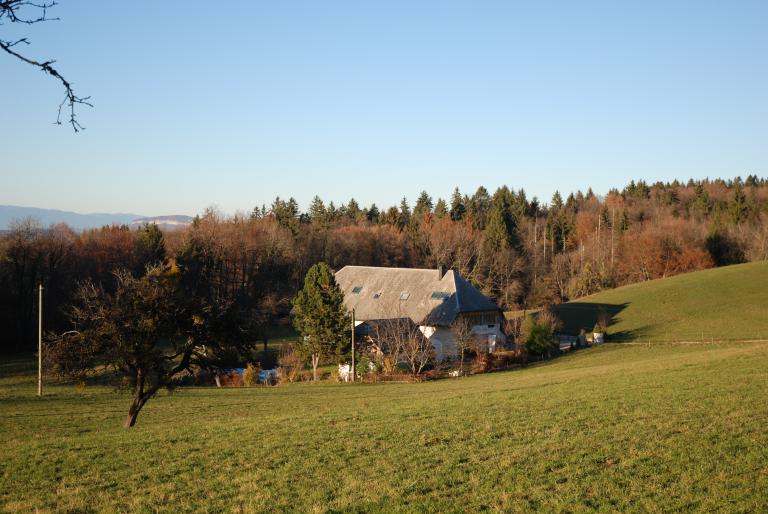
{"points": [[484, 318], [357, 289], [404, 296], [440, 295]]}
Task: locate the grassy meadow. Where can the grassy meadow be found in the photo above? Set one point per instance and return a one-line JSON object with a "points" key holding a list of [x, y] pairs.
{"points": [[610, 428], [728, 303]]}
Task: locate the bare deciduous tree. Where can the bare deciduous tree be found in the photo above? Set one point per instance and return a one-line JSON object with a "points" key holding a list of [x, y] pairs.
{"points": [[401, 340], [462, 331], [29, 13]]}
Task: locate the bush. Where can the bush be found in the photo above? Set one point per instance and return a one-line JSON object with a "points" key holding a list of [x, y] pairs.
{"points": [[305, 376], [231, 379], [291, 364], [539, 332], [505, 360], [481, 364], [251, 375]]}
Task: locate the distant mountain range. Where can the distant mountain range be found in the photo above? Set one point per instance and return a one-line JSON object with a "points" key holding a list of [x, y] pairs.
{"points": [[9, 213]]}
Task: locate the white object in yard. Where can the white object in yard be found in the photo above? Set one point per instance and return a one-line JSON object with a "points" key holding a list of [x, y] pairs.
{"points": [[268, 375], [345, 372], [454, 373], [598, 337], [491, 343]]}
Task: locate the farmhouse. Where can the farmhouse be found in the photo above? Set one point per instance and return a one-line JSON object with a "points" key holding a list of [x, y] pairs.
{"points": [[430, 298]]}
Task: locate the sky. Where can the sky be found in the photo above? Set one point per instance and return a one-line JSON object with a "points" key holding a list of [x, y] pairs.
{"points": [[232, 104]]}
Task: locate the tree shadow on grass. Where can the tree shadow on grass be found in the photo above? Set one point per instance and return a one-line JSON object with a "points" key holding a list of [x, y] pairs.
{"points": [[579, 316]]}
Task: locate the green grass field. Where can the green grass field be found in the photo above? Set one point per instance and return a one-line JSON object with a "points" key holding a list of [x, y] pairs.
{"points": [[729, 303], [612, 428]]}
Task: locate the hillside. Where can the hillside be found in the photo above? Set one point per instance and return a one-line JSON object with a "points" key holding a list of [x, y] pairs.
{"points": [[613, 428], [727, 303]]}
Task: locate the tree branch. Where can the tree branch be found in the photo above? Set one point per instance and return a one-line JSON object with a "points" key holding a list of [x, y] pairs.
{"points": [[9, 9]]}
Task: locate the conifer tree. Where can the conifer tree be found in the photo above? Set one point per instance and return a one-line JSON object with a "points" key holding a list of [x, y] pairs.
{"points": [[320, 315], [150, 247], [317, 210], [423, 205], [738, 206], [373, 214], [441, 209], [458, 209], [478, 207], [405, 213], [496, 230], [353, 211]]}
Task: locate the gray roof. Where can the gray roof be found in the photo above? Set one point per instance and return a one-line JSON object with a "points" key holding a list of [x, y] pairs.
{"points": [[418, 294]]}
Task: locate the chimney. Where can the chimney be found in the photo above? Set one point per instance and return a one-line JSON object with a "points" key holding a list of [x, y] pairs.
{"points": [[440, 272]]}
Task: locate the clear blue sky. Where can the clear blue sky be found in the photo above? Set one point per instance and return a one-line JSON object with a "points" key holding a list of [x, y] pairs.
{"points": [[197, 104]]}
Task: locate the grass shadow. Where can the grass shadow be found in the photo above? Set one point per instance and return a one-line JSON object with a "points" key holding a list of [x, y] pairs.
{"points": [[579, 316]]}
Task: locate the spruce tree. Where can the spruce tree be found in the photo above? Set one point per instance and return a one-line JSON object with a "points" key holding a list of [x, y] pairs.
{"points": [[496, 230], [353, 211], [458, 209], [373, 214], [423, 206], [320, 316], [150, 247], [441, 209], [405, 213], [317, 210], [738, 206], [478, 207]]}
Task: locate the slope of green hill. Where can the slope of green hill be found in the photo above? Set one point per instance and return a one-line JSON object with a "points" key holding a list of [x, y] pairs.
{"points": [[615, 428], [728, 303]]}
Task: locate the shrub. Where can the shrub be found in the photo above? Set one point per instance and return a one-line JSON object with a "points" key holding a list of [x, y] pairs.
{"points": [[505, 360], [539, 332], [231, 379], [482, 363], [291, 364], [304, 376], [251, 375]]}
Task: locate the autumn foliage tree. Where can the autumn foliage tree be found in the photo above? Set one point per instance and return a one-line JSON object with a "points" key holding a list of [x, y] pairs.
{"points": [[520, 251]]}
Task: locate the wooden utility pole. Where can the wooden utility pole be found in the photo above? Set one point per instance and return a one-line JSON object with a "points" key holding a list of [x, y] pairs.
{"points": [[613, 229], [535, 249], [599, 223], [40, 341], [354, 374]]}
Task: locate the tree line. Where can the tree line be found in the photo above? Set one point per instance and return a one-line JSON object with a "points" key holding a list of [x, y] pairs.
{"points": [[521, 252]]}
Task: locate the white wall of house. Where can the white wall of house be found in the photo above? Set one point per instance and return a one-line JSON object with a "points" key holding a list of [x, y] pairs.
{"points": [[444, 340]]}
